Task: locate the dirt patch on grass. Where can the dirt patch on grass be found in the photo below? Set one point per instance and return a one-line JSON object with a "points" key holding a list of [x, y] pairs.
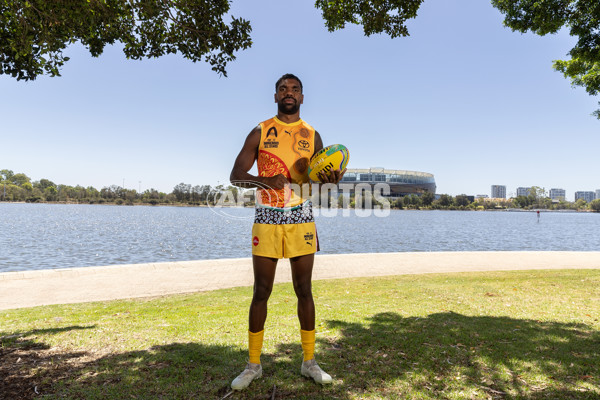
{"points": [[29, 370]]}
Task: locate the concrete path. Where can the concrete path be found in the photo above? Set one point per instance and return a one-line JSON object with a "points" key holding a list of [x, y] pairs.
{"points": [[76, 285]]}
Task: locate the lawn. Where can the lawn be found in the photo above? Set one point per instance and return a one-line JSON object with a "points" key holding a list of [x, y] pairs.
{"points": [[501, 335]]}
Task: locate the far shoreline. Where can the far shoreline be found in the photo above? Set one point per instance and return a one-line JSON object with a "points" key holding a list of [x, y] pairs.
{"points": [[183, 205]]}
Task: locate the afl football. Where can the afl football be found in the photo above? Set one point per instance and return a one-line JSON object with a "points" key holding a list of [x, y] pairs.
{"points": [[327, 159]]}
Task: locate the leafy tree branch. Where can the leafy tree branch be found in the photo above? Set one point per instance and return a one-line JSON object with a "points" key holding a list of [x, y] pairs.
{"points": [[581, 17], [33, 34]]}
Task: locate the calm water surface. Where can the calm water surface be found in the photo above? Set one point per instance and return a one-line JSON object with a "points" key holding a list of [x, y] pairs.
{"points": [[43, 236]]}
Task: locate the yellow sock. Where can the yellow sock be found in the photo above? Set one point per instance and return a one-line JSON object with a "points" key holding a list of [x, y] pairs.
{"points": [[255, 341], [308, 344]]}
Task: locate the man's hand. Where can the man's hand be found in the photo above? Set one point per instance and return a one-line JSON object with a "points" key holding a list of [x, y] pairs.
{"points": [[332, 176], [275, 182]]}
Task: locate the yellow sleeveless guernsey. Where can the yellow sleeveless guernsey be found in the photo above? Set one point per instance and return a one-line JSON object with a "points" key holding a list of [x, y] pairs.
{"points": [[284, 149]]}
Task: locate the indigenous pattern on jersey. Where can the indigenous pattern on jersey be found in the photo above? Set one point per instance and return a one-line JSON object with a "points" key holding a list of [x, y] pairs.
{"points": [[297, 215], [284, 149]]}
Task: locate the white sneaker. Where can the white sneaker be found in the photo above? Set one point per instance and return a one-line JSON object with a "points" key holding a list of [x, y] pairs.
{"points": [[252, 372], [311, 369]]}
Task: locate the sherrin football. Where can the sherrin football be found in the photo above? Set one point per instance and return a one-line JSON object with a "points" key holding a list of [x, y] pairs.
{"points": [[327, 159]]}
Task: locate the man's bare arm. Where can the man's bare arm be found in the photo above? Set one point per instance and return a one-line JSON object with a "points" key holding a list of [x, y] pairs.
{"points": [[245, 160]]}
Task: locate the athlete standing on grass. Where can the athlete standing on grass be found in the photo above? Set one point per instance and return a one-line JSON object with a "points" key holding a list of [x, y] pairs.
{"points": [[284, 225]]}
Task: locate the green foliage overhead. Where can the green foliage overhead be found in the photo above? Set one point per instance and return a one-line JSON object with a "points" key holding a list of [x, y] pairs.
{"points": [[375, 16], [33, 34], [581, 17]]}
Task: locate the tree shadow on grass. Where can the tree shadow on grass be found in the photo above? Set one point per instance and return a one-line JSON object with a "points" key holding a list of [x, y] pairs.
{"points": [[30, 369], [19, 354], [441, 356], [446, 354]]}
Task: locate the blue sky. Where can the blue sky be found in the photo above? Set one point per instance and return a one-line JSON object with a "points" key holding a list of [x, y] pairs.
{"points": [[463, 98]]}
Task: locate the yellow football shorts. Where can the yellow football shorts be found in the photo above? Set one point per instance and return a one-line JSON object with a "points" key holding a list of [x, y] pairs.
{"points": [[284, 240]]}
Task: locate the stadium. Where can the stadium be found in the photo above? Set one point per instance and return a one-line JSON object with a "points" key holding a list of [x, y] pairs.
{"points": [[401, 182]]}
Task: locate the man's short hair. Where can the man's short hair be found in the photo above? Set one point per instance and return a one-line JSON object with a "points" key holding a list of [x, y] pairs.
{"points": [[287, 76]]}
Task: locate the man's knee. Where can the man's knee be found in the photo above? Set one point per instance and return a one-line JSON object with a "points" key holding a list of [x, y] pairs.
{"points": [[303, 290], [261, 293]]}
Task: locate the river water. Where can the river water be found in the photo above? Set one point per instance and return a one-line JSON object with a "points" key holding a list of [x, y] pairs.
{"points": [[44, 236]]}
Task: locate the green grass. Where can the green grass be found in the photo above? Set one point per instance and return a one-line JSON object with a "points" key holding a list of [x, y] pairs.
{"points": [[506, 335]]}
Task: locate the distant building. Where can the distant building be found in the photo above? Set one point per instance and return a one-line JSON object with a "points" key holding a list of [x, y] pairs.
{"points": [[523, 191], [401, 182], [482, 196], [498, 191], [558, 194], [587, 196], [598, 193]]}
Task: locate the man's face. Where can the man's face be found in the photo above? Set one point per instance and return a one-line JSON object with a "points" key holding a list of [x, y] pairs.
{"points": [[289, 96]]}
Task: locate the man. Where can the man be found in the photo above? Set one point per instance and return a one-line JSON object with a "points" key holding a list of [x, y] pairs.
{"points": [[284, 225]]}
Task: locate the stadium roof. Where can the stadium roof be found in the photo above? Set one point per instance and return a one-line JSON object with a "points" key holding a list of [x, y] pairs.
{"points": [[377, 170]]}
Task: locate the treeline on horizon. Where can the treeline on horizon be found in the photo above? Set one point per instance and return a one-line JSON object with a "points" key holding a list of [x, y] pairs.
{"points": [[18, 187]]}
